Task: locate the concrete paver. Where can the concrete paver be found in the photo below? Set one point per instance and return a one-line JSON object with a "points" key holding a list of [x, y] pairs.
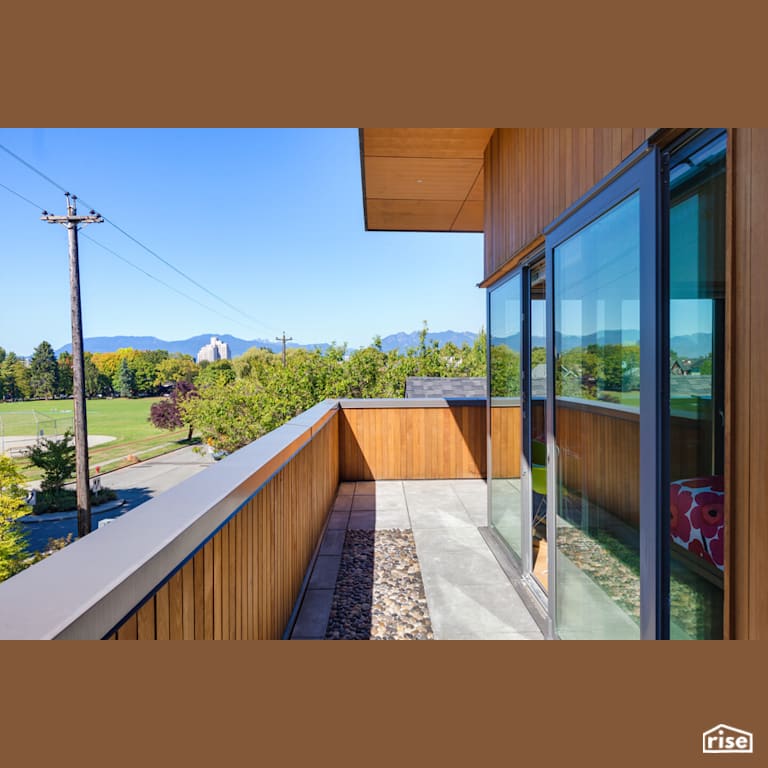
{"points": [[468, 594]]}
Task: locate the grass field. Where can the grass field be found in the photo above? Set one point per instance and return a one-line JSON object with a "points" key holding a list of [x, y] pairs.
{"points": [[124, 419]]}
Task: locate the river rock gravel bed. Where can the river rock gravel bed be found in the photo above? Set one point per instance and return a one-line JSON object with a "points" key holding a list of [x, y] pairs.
{"points": [[379, 593]]}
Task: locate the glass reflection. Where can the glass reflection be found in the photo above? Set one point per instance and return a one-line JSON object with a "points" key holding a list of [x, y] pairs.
{"points": [[597, 403], [504, 375], [696, 384]]}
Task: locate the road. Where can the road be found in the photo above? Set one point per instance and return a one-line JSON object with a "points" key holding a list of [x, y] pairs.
{"points": [[135, 485]]}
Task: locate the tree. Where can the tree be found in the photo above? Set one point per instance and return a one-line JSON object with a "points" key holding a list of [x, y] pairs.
{"points": [[167, 413], [15, 377], [43, 371], [125, 380], [96, 382], [56, 457], [218, 372], [175, 368], [12, 541], [65, 374]]}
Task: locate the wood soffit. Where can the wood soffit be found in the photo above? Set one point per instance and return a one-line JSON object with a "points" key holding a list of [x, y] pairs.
{"points": [[423, 179]]}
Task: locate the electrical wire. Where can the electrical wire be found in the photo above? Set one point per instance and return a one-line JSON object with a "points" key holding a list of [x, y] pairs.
{"points": [[21, 197], [138, 242], [128, 261]]}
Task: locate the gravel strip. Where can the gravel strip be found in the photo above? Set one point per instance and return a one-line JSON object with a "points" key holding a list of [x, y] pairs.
{"points": [[379, 593]]}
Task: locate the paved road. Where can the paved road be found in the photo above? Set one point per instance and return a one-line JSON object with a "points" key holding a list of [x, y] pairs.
{"points": [[135, 484]]}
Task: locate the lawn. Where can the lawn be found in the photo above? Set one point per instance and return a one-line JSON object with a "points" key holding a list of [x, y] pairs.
{"points": [[125, 419]]}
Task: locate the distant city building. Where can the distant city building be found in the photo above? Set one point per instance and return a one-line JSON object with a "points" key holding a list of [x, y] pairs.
{"points": [[216, 350]]}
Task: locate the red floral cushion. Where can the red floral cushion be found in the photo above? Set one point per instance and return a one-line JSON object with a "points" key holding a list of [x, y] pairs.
{"points": [[697, 517]]}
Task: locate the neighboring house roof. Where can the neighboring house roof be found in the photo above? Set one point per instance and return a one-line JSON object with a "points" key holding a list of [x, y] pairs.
{"points": [[442, 386]]}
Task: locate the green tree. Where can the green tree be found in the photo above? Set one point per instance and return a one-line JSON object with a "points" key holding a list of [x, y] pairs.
{"points": [[175, 368], [125, 380], [15, 376], [65, 374], [12, 541], [96, 382], [43, 371], [56, 457], [218, 372]]}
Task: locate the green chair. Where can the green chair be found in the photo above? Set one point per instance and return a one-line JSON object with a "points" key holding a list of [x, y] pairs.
{"points": [[539, 479]]}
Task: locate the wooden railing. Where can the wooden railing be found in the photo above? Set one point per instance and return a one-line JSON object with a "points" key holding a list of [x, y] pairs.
{"points": [[223, 554]]}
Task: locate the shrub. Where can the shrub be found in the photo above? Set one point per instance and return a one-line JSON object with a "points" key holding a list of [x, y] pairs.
{"points": [[56, 457], [12, 541]]}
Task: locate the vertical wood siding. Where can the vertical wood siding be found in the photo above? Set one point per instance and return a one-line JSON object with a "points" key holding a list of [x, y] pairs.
{"points": [[412, 443], [243, 582], [506, 435], [532, 175], [746, 475]]}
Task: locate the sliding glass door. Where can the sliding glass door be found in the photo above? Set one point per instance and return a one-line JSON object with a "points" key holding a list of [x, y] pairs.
{"points": [[603, 314], [504, 346]]}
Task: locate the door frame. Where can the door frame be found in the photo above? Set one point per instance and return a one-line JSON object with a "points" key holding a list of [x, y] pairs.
{"points": [[640, 172]]}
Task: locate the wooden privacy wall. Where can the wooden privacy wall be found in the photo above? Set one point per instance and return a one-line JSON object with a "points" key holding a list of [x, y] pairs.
{"points": [[243, 583], [600, 457], [412, 443], [746, 474], [506, 435], [532, 175]]}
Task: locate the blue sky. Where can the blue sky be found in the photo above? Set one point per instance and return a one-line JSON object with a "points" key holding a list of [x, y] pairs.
{"points": [[271, 220]]}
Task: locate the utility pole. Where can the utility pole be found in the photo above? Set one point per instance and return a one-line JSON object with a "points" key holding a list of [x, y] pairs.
{"points": [[72, 222], [277, 338]]}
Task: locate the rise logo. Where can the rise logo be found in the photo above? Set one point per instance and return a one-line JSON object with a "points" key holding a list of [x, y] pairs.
{"points": [[725, 739]]}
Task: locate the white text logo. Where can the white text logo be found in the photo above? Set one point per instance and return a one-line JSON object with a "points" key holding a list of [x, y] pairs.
{"points": [[725, 739]]}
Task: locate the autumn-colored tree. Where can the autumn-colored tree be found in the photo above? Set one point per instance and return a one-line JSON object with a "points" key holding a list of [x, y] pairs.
{"points": [[12, 541]]}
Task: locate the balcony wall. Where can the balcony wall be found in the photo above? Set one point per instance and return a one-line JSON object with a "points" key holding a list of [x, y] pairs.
{"points": [[412, 439], [223, 555]]}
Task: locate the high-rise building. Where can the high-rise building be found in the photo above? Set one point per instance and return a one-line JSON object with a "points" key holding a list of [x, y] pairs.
{"points": [[216, 350]]}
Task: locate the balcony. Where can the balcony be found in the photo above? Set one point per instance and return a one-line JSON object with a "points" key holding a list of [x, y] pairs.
{"points": [[252, 548]]}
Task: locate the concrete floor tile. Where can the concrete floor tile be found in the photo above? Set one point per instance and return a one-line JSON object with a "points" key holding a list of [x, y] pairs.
{"points": [[476, 612], [342, 503], [312, 620], [364, 520], [424, 516], [469, 566], [333, 542], [363, 502], [325, 572], [392, 518], [338, 520], [365, 487], [346, 489]]}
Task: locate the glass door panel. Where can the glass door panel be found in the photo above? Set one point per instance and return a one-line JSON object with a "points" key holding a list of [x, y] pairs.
{"points": [[505, 425], [696, 387], [536, 433], [596, 306]]}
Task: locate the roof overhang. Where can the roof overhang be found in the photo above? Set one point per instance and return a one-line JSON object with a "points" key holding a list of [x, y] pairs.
{"points": [[423, 179]]}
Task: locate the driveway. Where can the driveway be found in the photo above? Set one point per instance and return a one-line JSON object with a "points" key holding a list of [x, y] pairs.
{"points": [[134, 485]]}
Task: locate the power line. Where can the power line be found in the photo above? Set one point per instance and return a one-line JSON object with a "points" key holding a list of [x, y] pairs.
{"points": [[158, 280], [139, 243], [32, 167], [129, 262], [21, 197]]}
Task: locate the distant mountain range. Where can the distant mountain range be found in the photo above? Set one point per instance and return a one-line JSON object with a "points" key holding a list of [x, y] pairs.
{"points": [[400, 341], [692, 346]]}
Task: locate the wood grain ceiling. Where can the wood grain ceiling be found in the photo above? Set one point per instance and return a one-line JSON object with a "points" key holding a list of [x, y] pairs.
{"points": [[423, 179]]}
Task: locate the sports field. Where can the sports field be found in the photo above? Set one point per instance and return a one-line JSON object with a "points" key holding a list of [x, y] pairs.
{"points": [[125, 420]]}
